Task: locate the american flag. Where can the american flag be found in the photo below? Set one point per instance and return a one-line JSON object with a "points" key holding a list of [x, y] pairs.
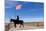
{"points": [[18, 7]]}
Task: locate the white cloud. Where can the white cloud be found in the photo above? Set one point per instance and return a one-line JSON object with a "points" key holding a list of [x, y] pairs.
{"points": [[8, 7], [32, 19], [9, 4], [29, 0], [11, 0], [29, 20]]}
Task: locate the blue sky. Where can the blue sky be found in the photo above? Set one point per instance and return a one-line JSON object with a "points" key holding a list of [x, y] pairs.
{"points": [[29, 11]]}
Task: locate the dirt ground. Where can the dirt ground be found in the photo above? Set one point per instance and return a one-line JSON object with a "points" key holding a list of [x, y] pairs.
{"points": [[29, 25]]}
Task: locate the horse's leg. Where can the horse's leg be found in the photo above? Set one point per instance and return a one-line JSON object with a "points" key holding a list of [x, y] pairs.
{"points": [[23, 25], [20, 26], [14, 24]]}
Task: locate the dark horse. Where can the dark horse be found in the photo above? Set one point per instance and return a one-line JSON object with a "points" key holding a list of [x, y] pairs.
{"points": [[17, 21]]}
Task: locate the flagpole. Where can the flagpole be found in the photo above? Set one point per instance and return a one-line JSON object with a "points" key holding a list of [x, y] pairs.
{"points": [[18, 7]]}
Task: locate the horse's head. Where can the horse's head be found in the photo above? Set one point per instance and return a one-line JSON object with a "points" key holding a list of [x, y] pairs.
{"points": [[11, 20]]}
